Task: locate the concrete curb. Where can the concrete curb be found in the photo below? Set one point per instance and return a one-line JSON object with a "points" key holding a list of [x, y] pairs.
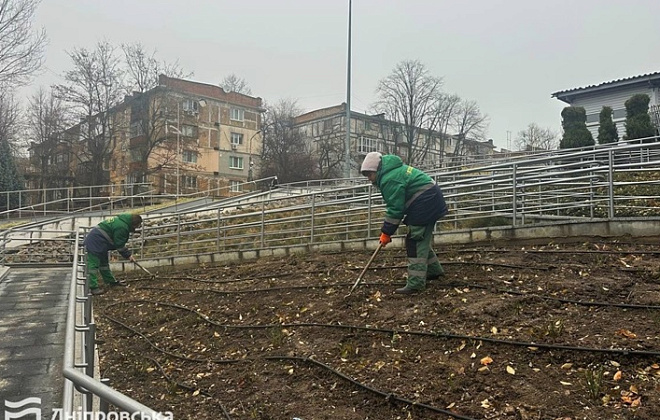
{"points": [[557, 231]]}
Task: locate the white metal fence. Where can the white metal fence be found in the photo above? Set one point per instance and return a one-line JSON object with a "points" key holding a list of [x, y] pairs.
{"points": [[603, 183]]}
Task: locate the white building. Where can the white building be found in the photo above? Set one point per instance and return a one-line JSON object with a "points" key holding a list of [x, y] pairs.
{"points": [[614, 94]]}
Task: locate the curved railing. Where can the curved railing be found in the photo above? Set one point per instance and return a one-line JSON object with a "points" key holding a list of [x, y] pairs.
{"points": [[614, 183], [81, 386]]}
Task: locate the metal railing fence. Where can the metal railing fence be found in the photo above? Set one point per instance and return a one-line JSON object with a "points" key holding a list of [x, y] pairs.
{"points": [[617, 182], [80, 385], [605, 183], [48, 201], [62, 201], [595, 184]]}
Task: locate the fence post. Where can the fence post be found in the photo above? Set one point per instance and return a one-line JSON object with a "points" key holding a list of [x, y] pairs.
{"points": [[514, 197], [370, 191], [263, 224], [90, 343], [217, 234], [178, 234], [104, 405], [311, 234]]}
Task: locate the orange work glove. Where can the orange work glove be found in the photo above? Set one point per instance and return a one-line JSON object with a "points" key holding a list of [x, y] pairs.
{"points": [[385, 239]]}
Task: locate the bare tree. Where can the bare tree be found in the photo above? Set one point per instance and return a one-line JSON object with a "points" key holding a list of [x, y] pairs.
{"points": [[21, 48], [93, 87], [9, 135], [233, 83], [143, 68], [443, 114], [408, 96], [153, 122], [329, 158], [468, 121], [47, 120], [151, 113], [10, 121], [536, 138], [285, 153]]}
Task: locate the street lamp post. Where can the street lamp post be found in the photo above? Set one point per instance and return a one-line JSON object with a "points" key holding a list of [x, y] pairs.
{"points": [[250, 163], [260, 131], [178, 153], [178, 148], [347, 141]]}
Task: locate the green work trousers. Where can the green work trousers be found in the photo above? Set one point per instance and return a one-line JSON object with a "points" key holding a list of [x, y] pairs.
{"points": [[422, 261], [99, 266]]}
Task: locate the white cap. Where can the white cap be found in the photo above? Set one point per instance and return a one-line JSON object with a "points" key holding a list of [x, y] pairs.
{"points": [[371, 162]]}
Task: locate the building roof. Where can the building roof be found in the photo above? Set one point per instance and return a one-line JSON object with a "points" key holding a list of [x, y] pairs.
{"points": [[340, 110], [332, 111], [209, 91], [566, 95]]}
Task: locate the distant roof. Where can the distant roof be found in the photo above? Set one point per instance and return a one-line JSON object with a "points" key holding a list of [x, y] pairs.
{"points": [[649, 77], [334, 110]]}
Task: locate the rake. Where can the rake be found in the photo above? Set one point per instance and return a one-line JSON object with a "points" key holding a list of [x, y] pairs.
{"points": [[366, 267], [144, 269]]}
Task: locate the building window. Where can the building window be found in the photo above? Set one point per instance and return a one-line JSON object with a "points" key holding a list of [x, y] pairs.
{"points": [[236, 186], [592, 118], [236, 138], [136, 155], [235, 162], [136, 129], [188, 130], [236, 114], [189, 181], [618, 114], [135, 178], [366, 145], [189, 156], [190, 105]]}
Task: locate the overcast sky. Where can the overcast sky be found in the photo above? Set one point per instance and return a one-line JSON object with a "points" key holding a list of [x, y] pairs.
{"points": [[507, 55]]}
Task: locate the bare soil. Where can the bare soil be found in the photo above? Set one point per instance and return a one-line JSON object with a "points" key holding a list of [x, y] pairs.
{"points": [[513, 331]]}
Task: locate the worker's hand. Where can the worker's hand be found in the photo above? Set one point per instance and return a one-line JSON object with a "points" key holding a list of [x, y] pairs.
{"points": [[385, 239], [131, 259]]}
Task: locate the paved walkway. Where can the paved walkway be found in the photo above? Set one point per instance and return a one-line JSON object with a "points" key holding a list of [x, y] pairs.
{"points": [[33, 304]]}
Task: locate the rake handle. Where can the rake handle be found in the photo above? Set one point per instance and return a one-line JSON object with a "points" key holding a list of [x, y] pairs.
{"points": [[142, 268], [366, 267]]}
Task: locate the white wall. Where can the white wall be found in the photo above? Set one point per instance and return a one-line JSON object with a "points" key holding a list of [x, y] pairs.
{"points": [[615, 98]]}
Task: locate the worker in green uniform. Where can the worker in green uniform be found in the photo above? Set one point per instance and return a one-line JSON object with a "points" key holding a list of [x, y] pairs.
{"points": [[110, 234], [414, 199]]}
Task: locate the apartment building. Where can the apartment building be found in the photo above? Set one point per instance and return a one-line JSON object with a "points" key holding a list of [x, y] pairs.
{"points": [[375, 133], [180, 137]]}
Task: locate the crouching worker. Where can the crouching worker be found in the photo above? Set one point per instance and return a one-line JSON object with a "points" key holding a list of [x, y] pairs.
{"points": [[110, 234], [414, 199]]}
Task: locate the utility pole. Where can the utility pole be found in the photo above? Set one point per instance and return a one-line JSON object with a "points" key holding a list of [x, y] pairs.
{"points": [[178, 148], [347, 145]]}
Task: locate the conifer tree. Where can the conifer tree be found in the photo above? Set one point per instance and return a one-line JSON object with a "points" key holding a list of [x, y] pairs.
{"points": [[576, 133], [638, 120], [607, 132]]}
